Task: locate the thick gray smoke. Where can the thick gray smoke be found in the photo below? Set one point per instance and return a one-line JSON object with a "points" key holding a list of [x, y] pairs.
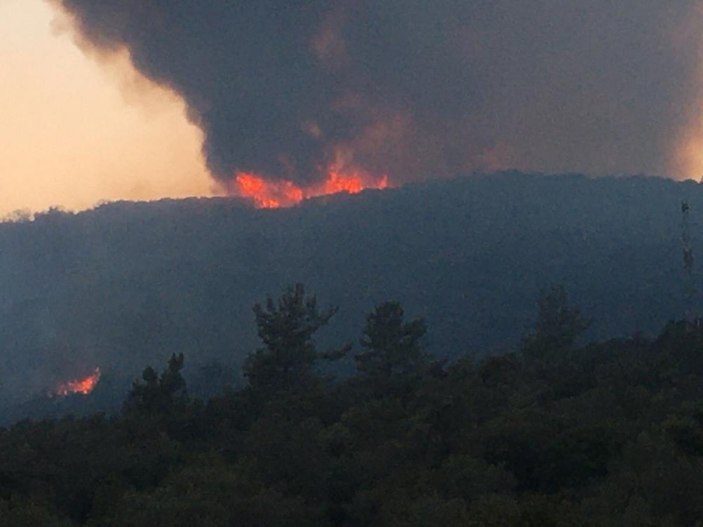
{"points": [[417, 88]]}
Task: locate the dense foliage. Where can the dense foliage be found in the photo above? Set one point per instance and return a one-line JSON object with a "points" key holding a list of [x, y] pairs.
{"points": [[555, 434]]}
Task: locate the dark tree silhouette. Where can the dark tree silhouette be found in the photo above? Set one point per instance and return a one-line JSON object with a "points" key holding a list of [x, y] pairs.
{"points": [[286, 328], [159, 394], [393, 347], [558, 323]]}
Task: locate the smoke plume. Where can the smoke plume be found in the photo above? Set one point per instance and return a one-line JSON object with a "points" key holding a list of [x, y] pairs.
{"points": [[412, 89]]}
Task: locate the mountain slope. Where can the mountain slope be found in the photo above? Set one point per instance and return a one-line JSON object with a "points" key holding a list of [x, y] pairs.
{"points": [[127, 284]]}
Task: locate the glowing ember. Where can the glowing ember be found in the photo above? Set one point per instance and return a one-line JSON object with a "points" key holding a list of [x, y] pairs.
{"points": [[81, 386], [267, 194], [274, 194]]}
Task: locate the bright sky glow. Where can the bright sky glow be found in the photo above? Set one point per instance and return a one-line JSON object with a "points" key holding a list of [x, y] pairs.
{"points": [[75, 130]]}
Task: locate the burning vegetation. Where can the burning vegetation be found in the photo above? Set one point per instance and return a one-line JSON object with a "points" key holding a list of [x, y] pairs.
{"points": [[82, 386], [272, 194]]}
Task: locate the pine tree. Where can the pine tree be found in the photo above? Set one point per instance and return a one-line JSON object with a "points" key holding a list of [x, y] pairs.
{"points": [[286, 328], [393, 347]]}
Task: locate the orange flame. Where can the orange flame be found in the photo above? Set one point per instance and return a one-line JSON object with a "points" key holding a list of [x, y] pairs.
{"points": [[266, 194], [81, 386]]}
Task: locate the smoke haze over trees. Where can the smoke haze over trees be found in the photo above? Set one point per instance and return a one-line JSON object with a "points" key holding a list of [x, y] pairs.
{"points": [[132, 283], [504, 348]]}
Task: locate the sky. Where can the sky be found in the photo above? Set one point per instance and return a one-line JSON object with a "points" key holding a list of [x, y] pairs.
{"points": [[125, 99], [76, 129], [411, 89]]}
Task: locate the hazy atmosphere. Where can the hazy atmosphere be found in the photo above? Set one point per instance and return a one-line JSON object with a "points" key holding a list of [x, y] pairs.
{"points": [[416, 90], [133, 100], [351, 263]]}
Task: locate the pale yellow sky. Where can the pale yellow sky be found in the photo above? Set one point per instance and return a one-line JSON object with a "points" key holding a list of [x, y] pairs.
{"points": [[75, 130]]}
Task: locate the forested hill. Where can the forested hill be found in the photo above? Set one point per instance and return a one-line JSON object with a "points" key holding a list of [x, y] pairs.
{"points": [[128, 284]]}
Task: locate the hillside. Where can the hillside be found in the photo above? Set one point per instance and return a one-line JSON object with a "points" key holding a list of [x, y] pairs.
{"points": [[127, 284]]}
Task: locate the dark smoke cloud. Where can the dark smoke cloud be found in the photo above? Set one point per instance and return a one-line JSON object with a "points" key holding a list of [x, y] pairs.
{"points": [[417, 88]]}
